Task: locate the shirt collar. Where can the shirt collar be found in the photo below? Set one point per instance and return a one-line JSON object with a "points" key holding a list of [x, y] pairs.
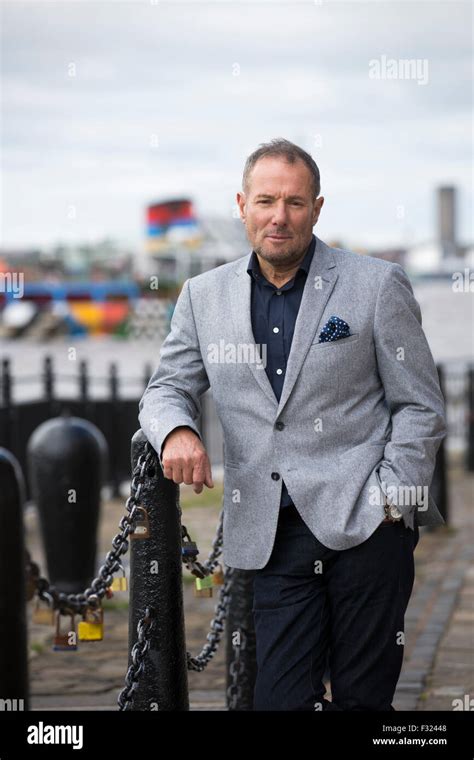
{"points": [[254, 267]]}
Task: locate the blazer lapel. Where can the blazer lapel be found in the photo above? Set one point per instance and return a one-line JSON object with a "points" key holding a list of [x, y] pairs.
{"points": [[319, 284], [322, 277], [241, 305]]}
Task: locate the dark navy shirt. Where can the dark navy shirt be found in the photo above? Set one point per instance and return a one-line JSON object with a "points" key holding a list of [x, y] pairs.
{"points": [[273, 313]]}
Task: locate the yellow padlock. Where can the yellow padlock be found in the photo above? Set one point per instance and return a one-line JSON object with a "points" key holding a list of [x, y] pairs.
{"points": [[203, 586], [91, 627], [120, 584]]}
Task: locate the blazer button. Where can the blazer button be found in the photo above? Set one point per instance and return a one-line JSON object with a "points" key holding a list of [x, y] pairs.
{"points": [[275, 476], [280, 425]]}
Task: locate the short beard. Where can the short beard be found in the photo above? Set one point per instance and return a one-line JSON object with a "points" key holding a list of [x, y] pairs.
{"points": [[291, 256]]}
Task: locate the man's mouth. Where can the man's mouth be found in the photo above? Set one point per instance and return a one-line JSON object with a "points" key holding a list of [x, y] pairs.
{"points": [[279, 237]]}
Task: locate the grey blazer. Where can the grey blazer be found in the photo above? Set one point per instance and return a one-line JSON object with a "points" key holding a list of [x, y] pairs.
{"points": [[358, 418]]}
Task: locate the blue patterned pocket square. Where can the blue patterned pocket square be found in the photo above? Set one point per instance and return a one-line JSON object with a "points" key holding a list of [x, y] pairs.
{"points": [[334, 329]]}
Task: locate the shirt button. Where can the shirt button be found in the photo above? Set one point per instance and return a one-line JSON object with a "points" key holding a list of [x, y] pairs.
{"points": [[278, 292], [279, 425], [276, 329], [275, 476], [279, 371]]}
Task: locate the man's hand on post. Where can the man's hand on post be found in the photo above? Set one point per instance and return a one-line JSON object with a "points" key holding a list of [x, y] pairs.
{"points": [[185, 459]]}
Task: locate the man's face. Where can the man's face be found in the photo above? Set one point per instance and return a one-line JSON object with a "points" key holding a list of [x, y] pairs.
{"points": [[278, 210]]}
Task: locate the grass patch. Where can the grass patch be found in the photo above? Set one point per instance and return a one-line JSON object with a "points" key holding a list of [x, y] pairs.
{"points": [[113, 604], [209, 497], [37, 646]]}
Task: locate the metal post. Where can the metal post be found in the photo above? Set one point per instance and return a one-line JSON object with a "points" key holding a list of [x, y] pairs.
{"points": [[49, 388], [156, 581], [6, 383], [66, 461], [439, 486], [48, 379], [84, 392], [13, 626], [114, 430], [83, 382], [470, 420], [8, 435]]}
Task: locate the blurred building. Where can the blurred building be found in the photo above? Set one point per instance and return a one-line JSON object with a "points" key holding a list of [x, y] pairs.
{"points": [[179, 244], [447, 221], [443, 254]]}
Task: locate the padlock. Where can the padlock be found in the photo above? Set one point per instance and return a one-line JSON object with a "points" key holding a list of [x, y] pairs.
{"points": [[189, 549], [43, 614], [65, 641], [142, 527], [218, 576], [120, 584], [203, 586], [91, 627]]}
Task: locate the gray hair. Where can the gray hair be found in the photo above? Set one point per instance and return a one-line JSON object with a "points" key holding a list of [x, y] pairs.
{"points": [[287, 150]]}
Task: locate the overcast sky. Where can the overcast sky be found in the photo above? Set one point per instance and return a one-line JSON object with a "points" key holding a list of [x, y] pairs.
{"points": [[168, 98]]}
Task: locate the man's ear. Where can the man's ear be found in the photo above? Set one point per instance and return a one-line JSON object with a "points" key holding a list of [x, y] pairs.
{"points": [[317, 209], [241, 200]]}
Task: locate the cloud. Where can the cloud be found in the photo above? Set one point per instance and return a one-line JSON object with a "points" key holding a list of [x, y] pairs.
{"points": [[209, 82]]}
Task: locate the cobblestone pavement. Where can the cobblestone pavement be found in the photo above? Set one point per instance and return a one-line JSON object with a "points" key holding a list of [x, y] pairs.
{"points": [[439, 633]]}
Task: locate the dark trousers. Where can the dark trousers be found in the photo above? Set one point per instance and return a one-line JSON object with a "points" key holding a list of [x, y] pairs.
{"points": [[315, 606]]}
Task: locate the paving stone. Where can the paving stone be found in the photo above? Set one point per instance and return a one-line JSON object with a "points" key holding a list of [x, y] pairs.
{"points": [[438, 663]]}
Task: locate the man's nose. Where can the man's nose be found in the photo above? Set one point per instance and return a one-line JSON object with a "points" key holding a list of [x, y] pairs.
{"points": [[280, 214]]}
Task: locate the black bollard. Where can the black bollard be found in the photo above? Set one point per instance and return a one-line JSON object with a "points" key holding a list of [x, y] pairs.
{"points": [[241, 667], [470, 420], [439, 485], [66, 462], [9, 430], [114, 429], [13, 627], [156, 582]]}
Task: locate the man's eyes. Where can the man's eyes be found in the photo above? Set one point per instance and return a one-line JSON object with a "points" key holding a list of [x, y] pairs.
{"points": [[293, 203]]}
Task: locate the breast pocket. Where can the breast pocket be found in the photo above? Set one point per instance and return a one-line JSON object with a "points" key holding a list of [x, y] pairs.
{"points": [[326, 367], [332, 344]]}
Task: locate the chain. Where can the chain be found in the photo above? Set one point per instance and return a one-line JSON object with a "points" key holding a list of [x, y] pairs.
{"points": [[91, 597], [216, 627], [236, 669], [214, 636], [137, 656]]}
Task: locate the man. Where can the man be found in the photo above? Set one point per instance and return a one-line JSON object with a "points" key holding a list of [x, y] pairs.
{"points": [[331, 431]]}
